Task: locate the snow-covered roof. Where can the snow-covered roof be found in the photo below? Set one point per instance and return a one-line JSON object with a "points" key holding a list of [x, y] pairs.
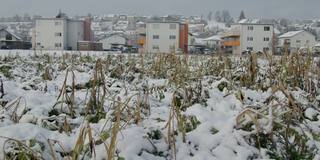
{"points": [[14, 35], [243, 21], [276, 31], [111, 35], [317, 45], [205, 40], [213, 38], [255, 22], [214, 24], [140, 22], [290, 34]]}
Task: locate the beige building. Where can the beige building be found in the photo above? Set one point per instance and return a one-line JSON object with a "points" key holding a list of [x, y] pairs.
{"points": [[162, 37], [58, 33], [294, 40], [166, 37], [244, 37]]}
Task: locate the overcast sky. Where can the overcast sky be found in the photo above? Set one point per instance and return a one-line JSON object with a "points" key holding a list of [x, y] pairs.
{"points": [[295, 9]]}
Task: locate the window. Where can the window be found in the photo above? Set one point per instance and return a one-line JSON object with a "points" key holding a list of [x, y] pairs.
{"points": [[155, 37], [155, 26], [38, 44], [173, 26], [266, 39], [57, 23], [266, 28], [58, 34], [155, 47], [265, 49], [9, 37], [172, 37], [249, 38], [298, 41], [250, 48], [57, 45], [250, 28]]}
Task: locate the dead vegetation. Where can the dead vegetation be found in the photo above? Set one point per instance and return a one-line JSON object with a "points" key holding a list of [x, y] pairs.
{"points": [[270, 125]]}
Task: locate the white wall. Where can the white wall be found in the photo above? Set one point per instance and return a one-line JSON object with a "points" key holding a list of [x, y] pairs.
{"points": [[75, 33], [258, 34], [46, 30], [303, 39], [164, 42], [114, 39]]}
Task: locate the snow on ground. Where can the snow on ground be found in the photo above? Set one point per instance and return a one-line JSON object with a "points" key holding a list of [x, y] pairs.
{"points": [[214, 132]]}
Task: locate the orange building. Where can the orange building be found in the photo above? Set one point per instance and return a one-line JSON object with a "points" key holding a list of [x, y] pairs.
{"points": [[183, 39], [88, 36]]}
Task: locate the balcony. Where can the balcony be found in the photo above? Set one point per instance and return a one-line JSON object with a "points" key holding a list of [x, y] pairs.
{"points": [[232, 33], [141, 41], [231, 43]]}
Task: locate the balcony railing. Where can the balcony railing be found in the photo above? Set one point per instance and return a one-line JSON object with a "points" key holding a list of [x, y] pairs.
{"points": [[232, 33], [231, 43]]}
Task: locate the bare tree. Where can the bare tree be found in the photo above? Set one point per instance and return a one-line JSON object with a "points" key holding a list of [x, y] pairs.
{"points": [[217, 16], [226, 17], [210, 16], [26, 17]]}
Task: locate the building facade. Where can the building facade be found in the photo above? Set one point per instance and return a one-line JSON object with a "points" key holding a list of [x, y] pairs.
{"points": [[51, 34], [294, 40], [249, 37], [75, 33], [9, 40], [60, 33], [166, 37]]}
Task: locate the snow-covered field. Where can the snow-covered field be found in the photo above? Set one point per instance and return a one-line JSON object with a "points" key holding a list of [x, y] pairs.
{"points": [[96, 105]]}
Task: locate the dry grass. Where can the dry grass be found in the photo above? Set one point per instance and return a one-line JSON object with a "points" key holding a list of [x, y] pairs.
{"points": [[14, 107], [66, 98], [185, 75], [98, 90], [78, 150]]}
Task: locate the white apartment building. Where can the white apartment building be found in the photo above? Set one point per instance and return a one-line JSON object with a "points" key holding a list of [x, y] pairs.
{"points": [[295, 40], [58, 33], [75, 33], [249, 37], [162, 37], [256, 37]]}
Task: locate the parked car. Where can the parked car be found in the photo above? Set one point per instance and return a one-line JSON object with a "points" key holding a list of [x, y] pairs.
{"points": [[5, 47], [179, 51], [246, 52], [207, 51]]}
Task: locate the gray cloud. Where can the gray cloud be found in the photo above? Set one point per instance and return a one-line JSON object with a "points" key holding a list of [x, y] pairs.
{"points": [[300, 9]]}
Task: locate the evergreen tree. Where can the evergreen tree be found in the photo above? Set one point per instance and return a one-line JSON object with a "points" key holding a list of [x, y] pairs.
{"points": [[242, 16]]}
